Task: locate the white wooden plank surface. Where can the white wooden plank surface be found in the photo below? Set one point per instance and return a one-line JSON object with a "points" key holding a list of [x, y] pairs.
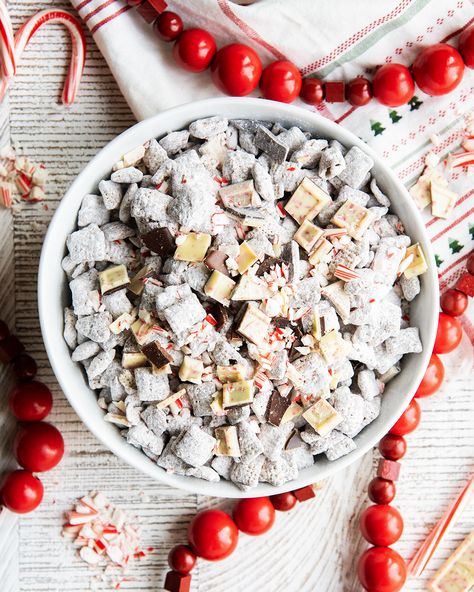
{"points": [[314, 548]]}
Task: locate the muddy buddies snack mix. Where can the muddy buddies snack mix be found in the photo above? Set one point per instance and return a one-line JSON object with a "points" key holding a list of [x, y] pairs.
{"points": [[240, 296]]}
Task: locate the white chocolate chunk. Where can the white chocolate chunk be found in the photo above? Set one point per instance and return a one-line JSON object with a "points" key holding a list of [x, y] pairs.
{"points": [[133, 156], [354, 218], [134, 360], [333, 347], [232, 373], [240, 195], [217, 404], [307, 201], [442, 200], [293, 411], [113, 279], [237, 394], [323, 247], [322, 417], [122, 323], [171, 399], [246, 258], [191, 370], [192, 247], [254, 325], [307, 235], [219, 287], [227, 441], [457, 573], [418, 266]]}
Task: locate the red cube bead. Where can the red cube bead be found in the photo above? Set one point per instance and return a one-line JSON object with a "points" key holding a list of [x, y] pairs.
{"points": [[388, 469], [304, 493], [159, 5], [148, 12], [10, 348], [335, 91], [176, 582], [465, 284]]}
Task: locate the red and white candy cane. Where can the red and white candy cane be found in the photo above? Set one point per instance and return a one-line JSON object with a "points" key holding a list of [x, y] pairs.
{"points": [[78, 57], [7, 43]]}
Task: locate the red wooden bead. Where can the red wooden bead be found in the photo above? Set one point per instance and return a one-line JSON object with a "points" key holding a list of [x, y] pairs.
{"points": [[359, 91], [465, 284], [148, 12], [335, 91], [381, 491], [312, 91], [176, 582], [10, 348], [388, 469], [304, 493], [25, 367], [181, 559], [168, 26], [393, 447], [4, 331], [283, 502]]}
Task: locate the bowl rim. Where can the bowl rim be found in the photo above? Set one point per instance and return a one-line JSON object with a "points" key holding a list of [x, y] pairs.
{"points": [[134, 136]]}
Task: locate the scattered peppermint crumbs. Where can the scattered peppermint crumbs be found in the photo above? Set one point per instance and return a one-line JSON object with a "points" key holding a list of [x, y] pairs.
{"points": [[20, 179], [106, 536], [432, 185]]}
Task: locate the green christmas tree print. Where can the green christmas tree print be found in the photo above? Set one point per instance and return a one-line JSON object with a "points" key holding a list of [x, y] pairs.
{"points": [[415, 103], [455, 245], [438, 260], [394, 116], [471, 230], [376, 127]]}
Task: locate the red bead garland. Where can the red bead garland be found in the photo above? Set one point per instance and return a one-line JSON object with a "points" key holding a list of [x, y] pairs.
{"points": [[381, 568], [437, 70], [38, 445]]}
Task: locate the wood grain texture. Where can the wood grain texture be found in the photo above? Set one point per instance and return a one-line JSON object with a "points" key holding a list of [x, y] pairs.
{"points": [[312, 550]]}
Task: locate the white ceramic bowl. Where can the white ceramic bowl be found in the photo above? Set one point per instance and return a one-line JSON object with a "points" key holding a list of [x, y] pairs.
{"points": [[53, 292]]}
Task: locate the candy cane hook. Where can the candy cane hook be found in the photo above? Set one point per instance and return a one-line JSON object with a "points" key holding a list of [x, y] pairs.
{"points": [[7, 43], [78, 57]]}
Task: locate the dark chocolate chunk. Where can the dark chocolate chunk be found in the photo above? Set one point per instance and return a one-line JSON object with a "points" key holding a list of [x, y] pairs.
{"points": [[158, 356], [267, 264], [216, 260], [160, 240], [282, 323], [219, 312], [269, 143], [277, 407]]}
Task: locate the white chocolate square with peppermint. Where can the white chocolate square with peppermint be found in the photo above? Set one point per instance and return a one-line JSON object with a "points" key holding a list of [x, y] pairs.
{"points": [[354, 218], [219, 287], [254, 325], [442, 200], [419, 265], [322, 417], [192, 246], [308, 235], [307, 201]]}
